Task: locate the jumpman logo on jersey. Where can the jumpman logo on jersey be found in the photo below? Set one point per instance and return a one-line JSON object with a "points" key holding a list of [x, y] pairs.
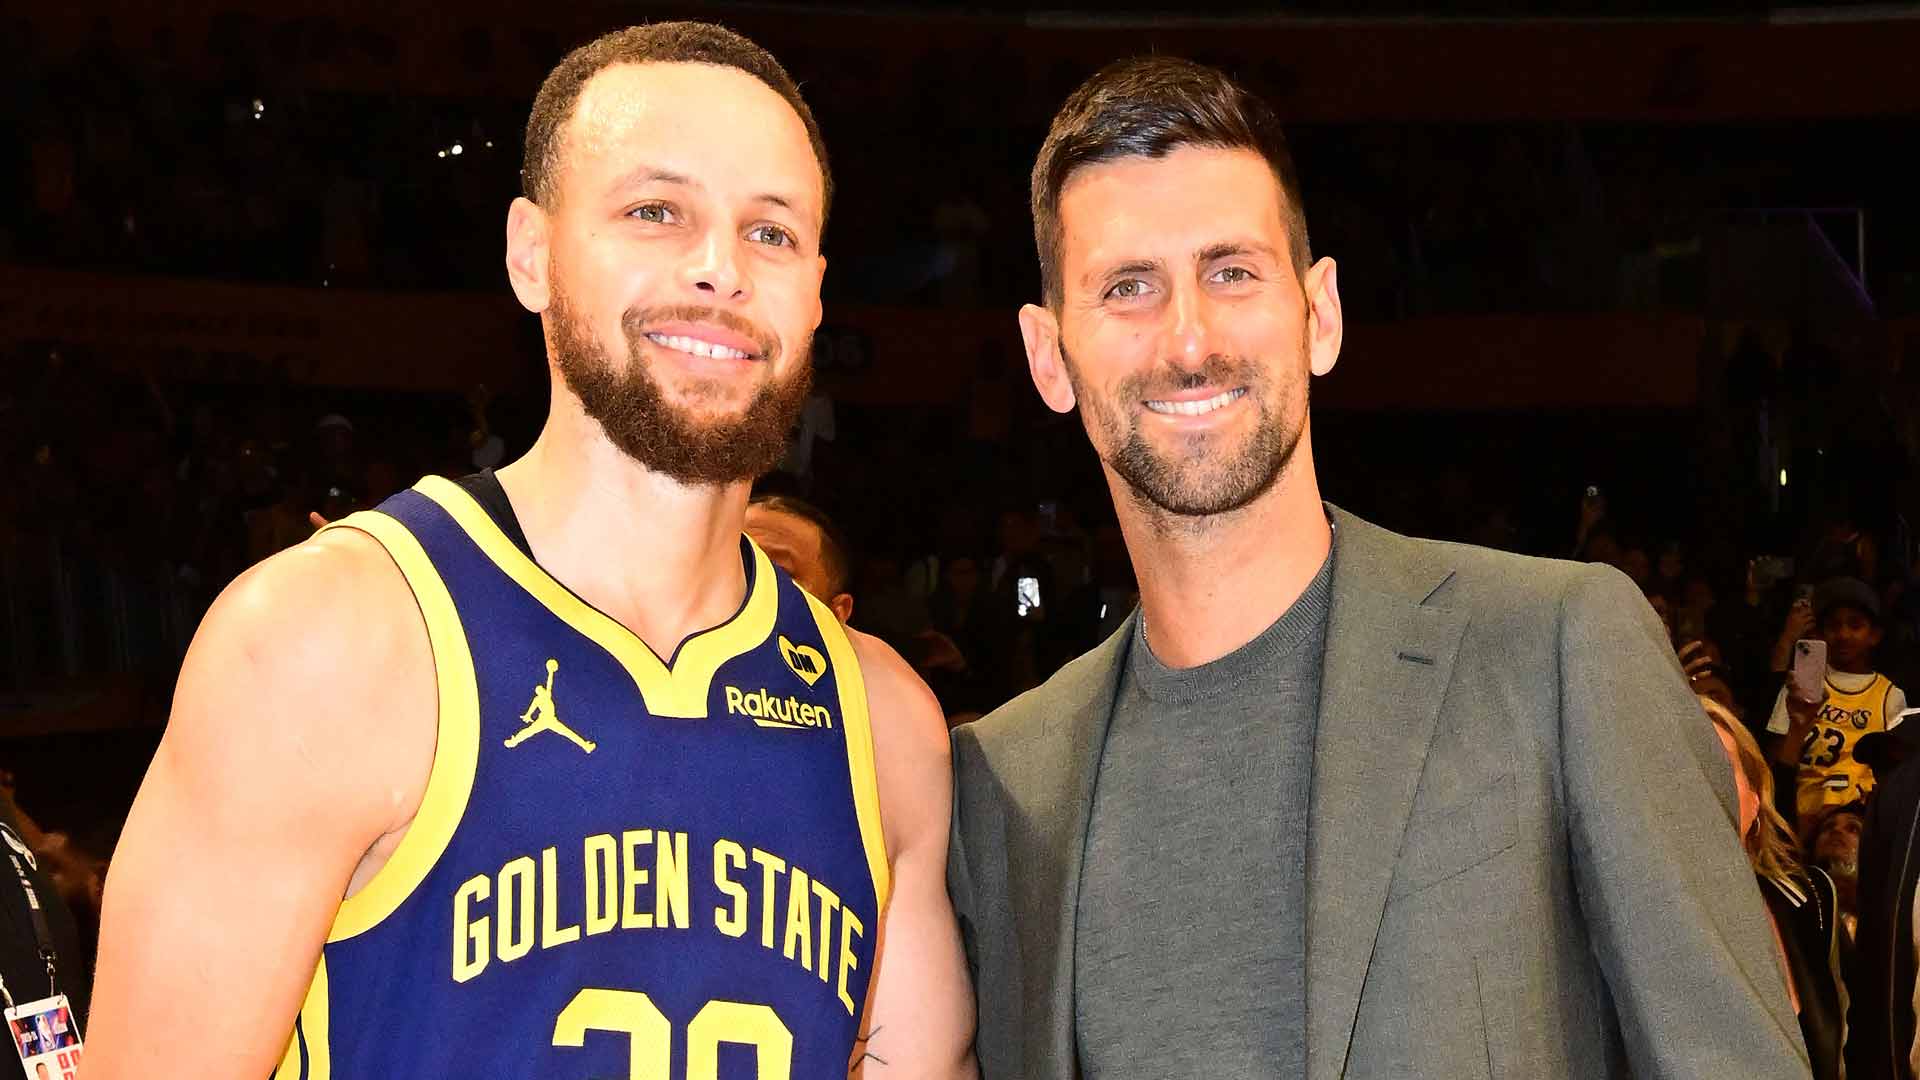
{"points": [[540, 716]]}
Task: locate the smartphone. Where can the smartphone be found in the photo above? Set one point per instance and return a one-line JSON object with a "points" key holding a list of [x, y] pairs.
{"points": [[1026, 599], [1809, 669]]}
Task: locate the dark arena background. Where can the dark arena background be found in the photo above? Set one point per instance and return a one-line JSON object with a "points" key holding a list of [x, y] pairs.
{"points": [[1635, 281]]}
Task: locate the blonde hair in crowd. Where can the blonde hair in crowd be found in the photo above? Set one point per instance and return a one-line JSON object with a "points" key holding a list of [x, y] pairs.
{"points": [[1771, 845]]}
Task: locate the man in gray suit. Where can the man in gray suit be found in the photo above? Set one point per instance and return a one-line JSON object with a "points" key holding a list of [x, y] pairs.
{"points": [[1335, 802]]}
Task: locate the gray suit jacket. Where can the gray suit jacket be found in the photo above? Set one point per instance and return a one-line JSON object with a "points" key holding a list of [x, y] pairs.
{"points": [[1521, 853]]}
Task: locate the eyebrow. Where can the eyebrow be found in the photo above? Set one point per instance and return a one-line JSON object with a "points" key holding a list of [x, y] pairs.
{"points": [[1230, 248], [1131, 266], [649, 174]]}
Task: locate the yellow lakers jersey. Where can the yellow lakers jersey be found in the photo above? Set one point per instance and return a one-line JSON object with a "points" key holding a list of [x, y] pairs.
{"points": [[1829, 776]]}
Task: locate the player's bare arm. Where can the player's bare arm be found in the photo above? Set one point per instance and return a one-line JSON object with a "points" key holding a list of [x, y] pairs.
{"points": [[300, 739], [919, 1017]]}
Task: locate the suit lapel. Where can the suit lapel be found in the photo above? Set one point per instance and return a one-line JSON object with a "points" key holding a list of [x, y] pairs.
{"points": [[1388, 662], [1063, 762]]}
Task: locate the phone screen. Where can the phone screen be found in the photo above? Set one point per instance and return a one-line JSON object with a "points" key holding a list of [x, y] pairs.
{"points": [[1026, 596]]}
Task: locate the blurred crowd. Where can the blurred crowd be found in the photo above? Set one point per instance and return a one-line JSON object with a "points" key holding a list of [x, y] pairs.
{"points": [[123, 155], [977, 538]]}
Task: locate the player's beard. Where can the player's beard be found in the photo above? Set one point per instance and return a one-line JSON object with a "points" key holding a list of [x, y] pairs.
{"points": [[633, 410], [1199, 476]]}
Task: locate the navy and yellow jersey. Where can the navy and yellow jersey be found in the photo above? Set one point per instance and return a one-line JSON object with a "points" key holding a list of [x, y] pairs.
{"points": [[621, 867]]}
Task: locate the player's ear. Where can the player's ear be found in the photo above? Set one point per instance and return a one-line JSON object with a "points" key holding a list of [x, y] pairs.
{"points": [[842, 606], [820, 277], [529, 240]]}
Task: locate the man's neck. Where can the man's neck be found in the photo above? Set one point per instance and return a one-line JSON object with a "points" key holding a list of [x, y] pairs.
{"points": [[1208, 587], [660, 557]]}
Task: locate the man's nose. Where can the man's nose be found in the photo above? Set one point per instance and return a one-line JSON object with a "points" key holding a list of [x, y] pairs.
{"points": [[1190, 312], [715, 269]]}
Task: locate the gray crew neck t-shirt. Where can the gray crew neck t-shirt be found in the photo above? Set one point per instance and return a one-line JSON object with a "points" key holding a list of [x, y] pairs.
{"points": [[1190, 940]]}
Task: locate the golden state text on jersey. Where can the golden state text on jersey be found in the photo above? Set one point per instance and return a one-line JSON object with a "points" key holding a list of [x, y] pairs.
{"points": [[622, 867]]}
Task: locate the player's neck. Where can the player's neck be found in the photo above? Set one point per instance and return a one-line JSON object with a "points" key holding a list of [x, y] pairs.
{"points": [[660, 557], [1208, 588]]}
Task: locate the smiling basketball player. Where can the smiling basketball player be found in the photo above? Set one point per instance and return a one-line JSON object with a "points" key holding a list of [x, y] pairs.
{"points": [[552, 773]]}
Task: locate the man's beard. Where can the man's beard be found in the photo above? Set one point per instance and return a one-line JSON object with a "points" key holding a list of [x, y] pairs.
{"points": [[1840, 861], [1199, 482], [632, 409]]}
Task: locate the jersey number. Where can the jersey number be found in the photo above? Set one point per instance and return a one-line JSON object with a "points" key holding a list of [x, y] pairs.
{"points": [[1816, 756], [650, 1034]]}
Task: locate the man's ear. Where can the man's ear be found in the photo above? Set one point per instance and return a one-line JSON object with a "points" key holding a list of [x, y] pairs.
{"points": [[529, 234], [820, 278], [842, 606], [1325, 324], [1040, 330]]}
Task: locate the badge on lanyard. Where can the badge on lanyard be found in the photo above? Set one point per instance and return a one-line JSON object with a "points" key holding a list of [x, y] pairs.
{"points": [[43, 1032], [46, 1038]]}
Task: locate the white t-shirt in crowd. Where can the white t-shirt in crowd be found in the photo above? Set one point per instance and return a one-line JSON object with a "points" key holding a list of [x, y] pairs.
{"points": [[1847, 683]]}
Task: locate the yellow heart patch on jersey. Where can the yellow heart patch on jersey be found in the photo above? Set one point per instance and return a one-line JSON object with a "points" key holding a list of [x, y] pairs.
{"points": [[803, 660]]}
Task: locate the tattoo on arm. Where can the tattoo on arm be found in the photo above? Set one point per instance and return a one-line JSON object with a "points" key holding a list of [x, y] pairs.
{"points": [[868, 1055]]}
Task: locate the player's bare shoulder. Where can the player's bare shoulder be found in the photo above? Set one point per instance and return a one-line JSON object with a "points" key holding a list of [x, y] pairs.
{"points": [[905, 712], [315, 665], [909, 745]]}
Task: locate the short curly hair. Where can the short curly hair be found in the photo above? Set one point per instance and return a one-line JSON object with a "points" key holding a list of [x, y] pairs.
{"points": [[683, 42]]}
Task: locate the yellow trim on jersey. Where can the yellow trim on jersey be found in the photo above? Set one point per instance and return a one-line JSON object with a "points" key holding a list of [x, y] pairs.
{"points": [[1836, 690], [677, 691], [290, 1061], [858, 726], [456, 752], [313, 1024]]}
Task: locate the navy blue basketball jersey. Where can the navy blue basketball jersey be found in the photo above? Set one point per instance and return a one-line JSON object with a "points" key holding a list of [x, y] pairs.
{"points": [[621, 867]]}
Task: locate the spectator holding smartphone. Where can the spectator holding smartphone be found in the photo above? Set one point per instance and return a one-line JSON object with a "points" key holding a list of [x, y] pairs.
{"points": [[1857, 701]]}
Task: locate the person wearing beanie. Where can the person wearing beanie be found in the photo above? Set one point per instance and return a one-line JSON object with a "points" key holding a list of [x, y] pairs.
{"points": [[1820, 736]]}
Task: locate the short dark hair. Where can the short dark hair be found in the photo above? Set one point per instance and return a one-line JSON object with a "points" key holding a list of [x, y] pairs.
{"points": [[835, 551], [1149, 106], [683, 42]]}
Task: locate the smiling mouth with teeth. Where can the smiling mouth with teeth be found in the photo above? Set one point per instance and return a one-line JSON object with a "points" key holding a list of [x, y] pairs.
{"points": [[696, 347], [1196, 408]]}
